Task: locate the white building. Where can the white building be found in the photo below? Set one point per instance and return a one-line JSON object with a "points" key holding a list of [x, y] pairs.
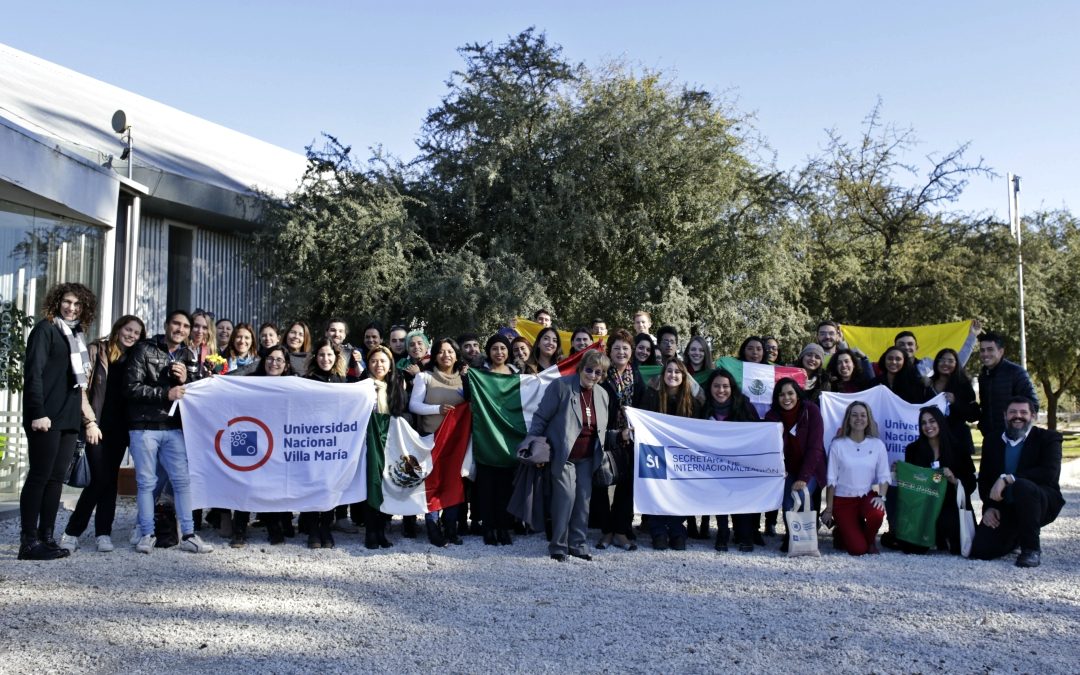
{"points": [[170, 235]]}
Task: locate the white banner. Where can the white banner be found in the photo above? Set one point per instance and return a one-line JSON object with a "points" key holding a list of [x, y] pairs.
{"points": [[897, 420], [276, 443], [686, 466]]}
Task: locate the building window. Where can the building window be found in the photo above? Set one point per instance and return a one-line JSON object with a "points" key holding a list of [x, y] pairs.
{"points": [[39, 250]]}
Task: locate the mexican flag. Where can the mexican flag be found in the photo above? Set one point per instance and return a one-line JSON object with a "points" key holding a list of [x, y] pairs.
{"points": [[410, 474], [757, 380], [503, 407]]}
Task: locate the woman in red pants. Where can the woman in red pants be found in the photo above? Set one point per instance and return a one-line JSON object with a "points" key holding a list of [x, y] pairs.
{"points": [[858, 477]]}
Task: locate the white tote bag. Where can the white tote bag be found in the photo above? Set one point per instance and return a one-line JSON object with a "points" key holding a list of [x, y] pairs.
{"points": [[967, 522], [801, 526]]}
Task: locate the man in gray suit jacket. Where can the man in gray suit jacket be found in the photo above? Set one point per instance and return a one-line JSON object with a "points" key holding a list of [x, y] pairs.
{"points": [[573, 416]]}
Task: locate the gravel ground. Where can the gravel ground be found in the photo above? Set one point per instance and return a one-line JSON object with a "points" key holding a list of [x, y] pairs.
{"points": [[474, 608]]}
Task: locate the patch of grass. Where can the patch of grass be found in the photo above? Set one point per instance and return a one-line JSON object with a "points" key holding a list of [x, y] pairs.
{"points": [[1070, 447]]}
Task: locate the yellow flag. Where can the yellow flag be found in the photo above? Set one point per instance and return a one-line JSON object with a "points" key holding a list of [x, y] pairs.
{"points": [[529, 329], [873, 341]]}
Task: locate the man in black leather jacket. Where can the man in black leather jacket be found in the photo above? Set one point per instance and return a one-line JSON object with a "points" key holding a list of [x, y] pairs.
{"points": [[156, 372]]}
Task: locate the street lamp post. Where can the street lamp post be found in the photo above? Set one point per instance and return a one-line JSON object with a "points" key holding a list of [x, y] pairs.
{"points": [[1016, 227]]}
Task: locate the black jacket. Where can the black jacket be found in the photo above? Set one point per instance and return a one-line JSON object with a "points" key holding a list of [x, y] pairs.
{"points": [[48, 384], [996, 386], [148, 382], [1040, 463]]}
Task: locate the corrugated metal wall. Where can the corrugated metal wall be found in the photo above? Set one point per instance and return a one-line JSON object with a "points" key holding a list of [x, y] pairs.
{"points": [[224, 281], [150, 289]]}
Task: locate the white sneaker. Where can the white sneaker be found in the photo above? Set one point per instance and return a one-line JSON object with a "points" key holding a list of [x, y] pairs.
{"points": [[193, 543], [146, 544], [104, 543], [69, 543], [135, 536]]}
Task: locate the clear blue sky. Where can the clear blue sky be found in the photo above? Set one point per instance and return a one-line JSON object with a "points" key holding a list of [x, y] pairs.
{"points": [[1003, 75]]}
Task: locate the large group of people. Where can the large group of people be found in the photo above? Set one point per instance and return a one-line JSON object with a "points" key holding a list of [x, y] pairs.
{"points": [[116, 394]]}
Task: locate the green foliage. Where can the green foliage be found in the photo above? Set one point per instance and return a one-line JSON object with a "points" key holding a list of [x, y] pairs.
{"points": [[342, 245], [461, 291], [620, 191], [14, 324], [881, 243], [1051, 246], [541, 182]]}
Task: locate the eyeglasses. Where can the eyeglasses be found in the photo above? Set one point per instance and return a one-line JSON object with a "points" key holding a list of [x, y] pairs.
{"points": [[276, 359], [594, 371]]}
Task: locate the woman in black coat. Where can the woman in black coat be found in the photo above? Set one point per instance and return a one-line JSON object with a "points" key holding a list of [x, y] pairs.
{"points": [[724, 402], [949, 378], [625, 389], [900, 375], [935, 449], [274, 363], [56, 370]]}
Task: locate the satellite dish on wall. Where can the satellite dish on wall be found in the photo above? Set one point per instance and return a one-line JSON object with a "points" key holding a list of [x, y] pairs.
{"points": [[119, 121]]}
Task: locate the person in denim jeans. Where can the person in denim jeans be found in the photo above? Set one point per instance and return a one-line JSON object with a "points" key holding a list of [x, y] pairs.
{"points": [[156, 373]]}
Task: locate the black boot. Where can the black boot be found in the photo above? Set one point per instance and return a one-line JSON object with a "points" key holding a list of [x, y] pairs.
{"points": [[239, 530], [371, 538], [770, 523], [274, 529], [489, 537], [691, 527], [450, 530], [31, 548], [380, 531], [408, 527], [434, 533], [287, 525], [504, 537], [213, 518], [326, 525], [308, 524], [703, 531], [46, 539]]}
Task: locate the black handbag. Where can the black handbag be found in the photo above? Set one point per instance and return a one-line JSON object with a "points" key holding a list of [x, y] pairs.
{"points": [[607, 474], [79, 473]]}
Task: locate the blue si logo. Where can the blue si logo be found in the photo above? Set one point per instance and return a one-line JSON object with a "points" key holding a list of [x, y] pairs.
{"points": [[652, 462]]}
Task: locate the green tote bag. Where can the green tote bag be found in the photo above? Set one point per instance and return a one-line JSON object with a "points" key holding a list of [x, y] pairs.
{"points": [[918, 503]]}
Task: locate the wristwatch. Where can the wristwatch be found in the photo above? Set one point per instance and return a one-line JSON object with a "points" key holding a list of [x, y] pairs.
{"points": [[1008, 478]]}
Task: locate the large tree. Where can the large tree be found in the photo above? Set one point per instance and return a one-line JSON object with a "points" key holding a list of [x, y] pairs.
{"points": [[884, 243], [342, 244], [1051, 247], [615, 190]]}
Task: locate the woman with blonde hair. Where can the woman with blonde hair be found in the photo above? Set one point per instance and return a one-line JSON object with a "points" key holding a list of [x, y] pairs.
{"points": [[858, 480], [203, 339]]}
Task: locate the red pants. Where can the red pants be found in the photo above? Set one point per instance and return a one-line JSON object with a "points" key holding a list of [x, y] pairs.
{"points": [[858, 522]]}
